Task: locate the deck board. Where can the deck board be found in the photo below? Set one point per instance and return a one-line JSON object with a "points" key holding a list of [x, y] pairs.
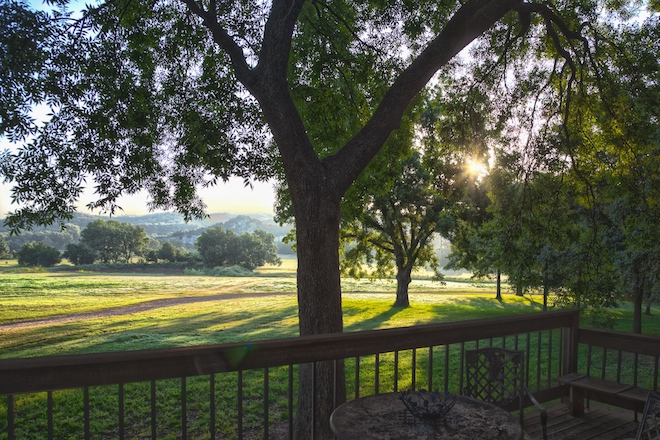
{"points": [[599, 422]]}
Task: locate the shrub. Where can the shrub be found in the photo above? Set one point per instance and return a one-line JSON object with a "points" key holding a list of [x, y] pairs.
{"points": [[38, 254]]}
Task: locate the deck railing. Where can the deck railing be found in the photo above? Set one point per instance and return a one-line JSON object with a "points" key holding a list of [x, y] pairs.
{"points": [[625, 358], [249, 390]]}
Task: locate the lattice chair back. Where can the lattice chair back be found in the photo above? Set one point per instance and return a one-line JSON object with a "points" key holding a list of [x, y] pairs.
{"points": [[649, 428], [494, 375]]}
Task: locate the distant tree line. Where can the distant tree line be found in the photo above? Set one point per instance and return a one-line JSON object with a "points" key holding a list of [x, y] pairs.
{"points": [[110, 241]]}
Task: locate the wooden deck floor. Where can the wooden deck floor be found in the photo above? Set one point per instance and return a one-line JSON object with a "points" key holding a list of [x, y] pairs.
{"points": [[599, 422]]}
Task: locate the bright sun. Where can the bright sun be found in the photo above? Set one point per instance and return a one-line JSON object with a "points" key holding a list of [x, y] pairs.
{"points": [[475, 167]]}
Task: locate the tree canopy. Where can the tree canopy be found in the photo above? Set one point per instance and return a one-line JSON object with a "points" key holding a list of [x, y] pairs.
{"points": [[218, 247], [114, 241], [167, 95], [38, 254]]}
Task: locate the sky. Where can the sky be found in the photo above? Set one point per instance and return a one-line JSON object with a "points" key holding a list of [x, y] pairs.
{"points": [[230, 197]]}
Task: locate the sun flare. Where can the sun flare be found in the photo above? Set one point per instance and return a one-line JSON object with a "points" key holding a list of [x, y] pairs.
{"points": [[475, 167]]}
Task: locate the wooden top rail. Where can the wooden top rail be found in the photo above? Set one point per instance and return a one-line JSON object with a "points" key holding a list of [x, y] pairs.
{"points": [[75, 371], [628, 342]]}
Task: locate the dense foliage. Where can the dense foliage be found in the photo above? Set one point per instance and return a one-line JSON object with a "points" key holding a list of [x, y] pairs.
{"points": [[113, 241], [38, 254], [218, 247], [169, 95], [5, 252]]}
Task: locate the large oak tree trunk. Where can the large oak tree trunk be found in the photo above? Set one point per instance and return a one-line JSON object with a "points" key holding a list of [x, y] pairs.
{"points": [[320, 311], [402, 282]]}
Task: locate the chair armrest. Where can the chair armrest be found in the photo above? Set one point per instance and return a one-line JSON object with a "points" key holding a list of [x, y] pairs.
{"points": [[544, 413]]}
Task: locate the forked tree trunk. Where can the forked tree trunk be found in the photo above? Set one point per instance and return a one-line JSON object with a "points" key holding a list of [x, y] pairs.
{"points": [[319, 312], [402, 283]]}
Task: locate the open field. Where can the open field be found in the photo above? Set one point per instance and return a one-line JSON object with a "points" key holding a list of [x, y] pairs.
{"points": [[189, 310], [209, 310]]}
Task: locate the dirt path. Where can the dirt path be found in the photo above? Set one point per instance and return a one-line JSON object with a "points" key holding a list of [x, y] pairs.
{"points": [[129, 310]]}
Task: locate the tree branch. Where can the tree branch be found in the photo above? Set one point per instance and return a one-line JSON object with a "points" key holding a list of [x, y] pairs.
{"points": [[224, 40], [278, 32], [469, 22]]}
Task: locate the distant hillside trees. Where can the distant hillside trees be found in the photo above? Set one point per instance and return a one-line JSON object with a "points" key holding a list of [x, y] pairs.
{"points": [[219, 247], [50, 237], [4, 249], [38, 254]]}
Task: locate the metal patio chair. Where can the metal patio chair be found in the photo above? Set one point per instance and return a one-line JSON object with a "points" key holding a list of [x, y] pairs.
{"points": [[497, 375], [649, 426]]}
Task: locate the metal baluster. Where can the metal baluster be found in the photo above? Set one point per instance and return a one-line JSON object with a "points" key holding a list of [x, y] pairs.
{"points": [[184, 409], [357, 377], [618, 367], [461, 368], [396, 371], [377, 374], [335, 366], [290, 402], [10, 417], [549, 358], [122, 423], [88, 433], [414, 368], [560, 361], [51, 432], [430, 372], [538, 360], [153, 410], [447, 347], [266, 403], [313, 399], [589, 350], [212, 404], [602, 373], [528, 356], [655, 375], [240, 404]]}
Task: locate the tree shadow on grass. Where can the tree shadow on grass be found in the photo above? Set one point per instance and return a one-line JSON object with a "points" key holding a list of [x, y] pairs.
{"points": [[373, 322]]}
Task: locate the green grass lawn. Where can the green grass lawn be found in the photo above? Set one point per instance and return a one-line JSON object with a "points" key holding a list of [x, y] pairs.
{"points": [[367, 305]]}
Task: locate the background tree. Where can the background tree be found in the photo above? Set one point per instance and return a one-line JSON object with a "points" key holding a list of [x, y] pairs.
{"points": [[114, 241], [395, 228], [219, 247], [4, 249], [38, 254], [171, 253], [212, 246], [256, 249], [80, 253]]}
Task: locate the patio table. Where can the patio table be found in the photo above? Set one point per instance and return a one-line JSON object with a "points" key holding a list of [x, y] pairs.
{"points": [[381, 417]]}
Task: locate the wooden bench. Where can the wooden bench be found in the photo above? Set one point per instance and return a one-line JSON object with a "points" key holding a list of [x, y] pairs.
{"points": [[606, 391]]}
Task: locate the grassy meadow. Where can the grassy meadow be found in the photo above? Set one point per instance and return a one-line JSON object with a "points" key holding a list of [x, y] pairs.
{"points": [[218, 310]]}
